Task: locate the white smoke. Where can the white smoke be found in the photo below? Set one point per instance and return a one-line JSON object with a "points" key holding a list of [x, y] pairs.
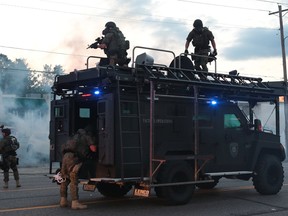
{"points": [[30, 125]]}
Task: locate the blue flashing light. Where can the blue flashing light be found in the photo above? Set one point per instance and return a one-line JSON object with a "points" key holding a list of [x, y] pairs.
{"points": [[213, 102], [96, 92]]}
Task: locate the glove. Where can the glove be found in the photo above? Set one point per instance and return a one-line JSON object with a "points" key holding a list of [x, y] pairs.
{"points": [[93, 148], [186, 52], [215, 52], [211, 57]]}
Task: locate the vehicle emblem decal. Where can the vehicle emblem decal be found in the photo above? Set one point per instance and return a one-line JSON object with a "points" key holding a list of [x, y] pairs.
{"points": [[234, 149]]}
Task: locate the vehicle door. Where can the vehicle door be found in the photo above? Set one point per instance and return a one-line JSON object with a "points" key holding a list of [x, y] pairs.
{"points": [[59, 127], [105, 110], [235, 140]]}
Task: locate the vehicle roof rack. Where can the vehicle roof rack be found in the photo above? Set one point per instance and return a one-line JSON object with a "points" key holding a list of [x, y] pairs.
{"points": [[229, 86]]}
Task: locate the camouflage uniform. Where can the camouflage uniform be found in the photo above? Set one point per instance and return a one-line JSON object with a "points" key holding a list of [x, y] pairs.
{"points": [[74, 154], [200, 40], [115, 52], [9, 160]]}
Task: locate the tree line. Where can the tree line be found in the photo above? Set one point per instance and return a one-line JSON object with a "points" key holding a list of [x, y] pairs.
{"points": [[18, 79]]}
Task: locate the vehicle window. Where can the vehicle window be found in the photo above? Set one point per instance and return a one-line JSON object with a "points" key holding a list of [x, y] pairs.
{"points": [[231, 121], [59, 112], [84, 113]]}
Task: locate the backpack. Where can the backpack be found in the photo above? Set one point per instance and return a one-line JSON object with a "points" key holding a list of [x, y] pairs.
{"points": [[201, 40], [71, 144], [122, 43], [14, 144]]}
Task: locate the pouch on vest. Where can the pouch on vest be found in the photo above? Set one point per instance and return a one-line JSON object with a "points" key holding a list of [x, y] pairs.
{"points": [[14, 144]]}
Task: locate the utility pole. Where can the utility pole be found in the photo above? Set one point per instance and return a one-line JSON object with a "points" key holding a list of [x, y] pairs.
{"points": [[282, 39]]}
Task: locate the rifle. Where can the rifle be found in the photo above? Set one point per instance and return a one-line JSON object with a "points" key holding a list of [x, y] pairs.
{"points": [[211, 57], [96, 43]]}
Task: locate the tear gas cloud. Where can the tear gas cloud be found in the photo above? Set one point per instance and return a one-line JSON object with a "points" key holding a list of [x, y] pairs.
{"points": [[29, 122]]}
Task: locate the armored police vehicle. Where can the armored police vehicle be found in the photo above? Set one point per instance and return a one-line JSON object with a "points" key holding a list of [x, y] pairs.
{"points": [[167, 129]]}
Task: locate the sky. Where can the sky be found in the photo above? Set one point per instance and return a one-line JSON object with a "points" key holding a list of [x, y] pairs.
{"points": [[57, 32]]}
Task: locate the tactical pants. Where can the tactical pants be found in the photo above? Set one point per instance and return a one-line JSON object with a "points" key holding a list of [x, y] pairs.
{"points": [[73, 181], [119, 59], [10, 162], [201, 62]]}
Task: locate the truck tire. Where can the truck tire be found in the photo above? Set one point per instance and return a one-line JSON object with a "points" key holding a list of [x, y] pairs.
{"points": [[173, 172], [158, 192], [113, 190], [269, 175]]}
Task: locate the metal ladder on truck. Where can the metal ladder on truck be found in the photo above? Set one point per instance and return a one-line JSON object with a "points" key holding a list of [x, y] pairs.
{"points": [[128, 107]]}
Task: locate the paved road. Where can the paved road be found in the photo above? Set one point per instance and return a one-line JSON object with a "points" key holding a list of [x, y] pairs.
{"points": [[38, 196]]}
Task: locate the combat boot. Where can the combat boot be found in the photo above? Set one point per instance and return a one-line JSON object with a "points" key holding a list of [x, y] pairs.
{"points": [[77, 205], [18, 183], [63, 202], [5, 186]]}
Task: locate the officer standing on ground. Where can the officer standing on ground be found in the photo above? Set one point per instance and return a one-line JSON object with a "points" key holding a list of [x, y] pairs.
{"points": [[74, 154], [200, 37], [114, 44], [8, 147]]}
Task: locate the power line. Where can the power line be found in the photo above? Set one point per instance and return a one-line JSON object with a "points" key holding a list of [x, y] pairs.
{"points": [[273, 2], [44, 9], [43, 51], [66, 12], [98, 8], [95, 15], [227, 6], [125, 18], [137, 20], [77, 5], [25, 70]]}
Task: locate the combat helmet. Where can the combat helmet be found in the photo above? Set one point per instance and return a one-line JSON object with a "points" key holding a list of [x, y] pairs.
{"points": [[110, 25], [198, 24], [6, 131]]}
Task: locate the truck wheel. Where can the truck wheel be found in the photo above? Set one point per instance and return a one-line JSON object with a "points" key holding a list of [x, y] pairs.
{"points": [[208, 185], [113, 190], [269, 175], [158, 192], [172, 173]]}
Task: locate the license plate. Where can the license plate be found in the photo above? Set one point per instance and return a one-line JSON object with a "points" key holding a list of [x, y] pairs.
{"points": [[141, 192], [89, 187]]}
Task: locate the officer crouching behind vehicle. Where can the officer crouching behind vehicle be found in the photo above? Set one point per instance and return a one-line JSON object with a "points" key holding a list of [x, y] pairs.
{"points": [[8, 147], [74, 155]]}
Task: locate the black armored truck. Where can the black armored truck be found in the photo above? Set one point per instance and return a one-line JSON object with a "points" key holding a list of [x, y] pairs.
{"points": [[169, 129]]}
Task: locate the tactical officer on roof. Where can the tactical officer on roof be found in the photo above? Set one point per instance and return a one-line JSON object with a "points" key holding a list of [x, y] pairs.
{"points": [[200, 37], [114, 45]]}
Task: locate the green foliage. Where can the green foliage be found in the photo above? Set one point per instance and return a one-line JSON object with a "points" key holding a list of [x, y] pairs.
{"points": [[41, 82], [17, 78]]}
